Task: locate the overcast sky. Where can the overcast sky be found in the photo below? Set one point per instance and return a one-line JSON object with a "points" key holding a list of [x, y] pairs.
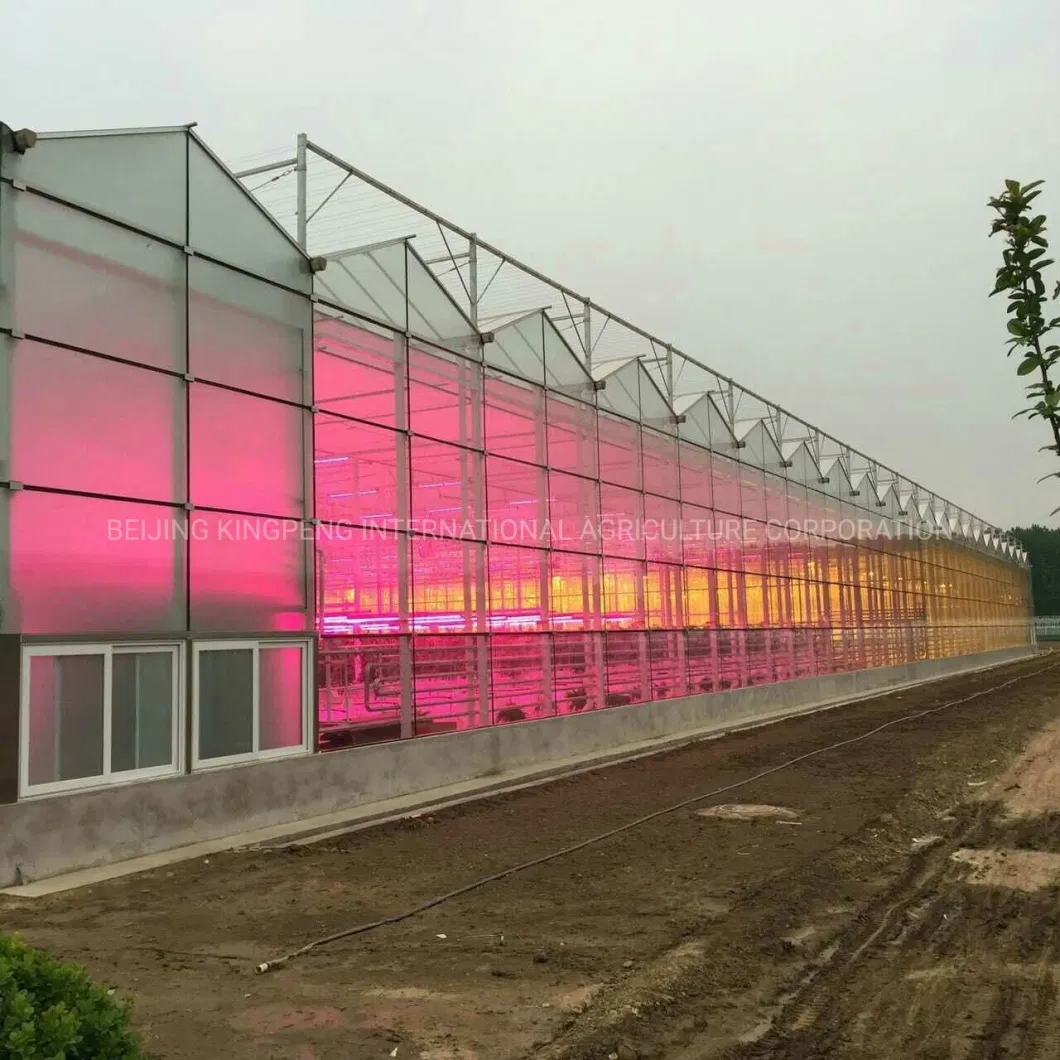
{"points": [[791, 190]]}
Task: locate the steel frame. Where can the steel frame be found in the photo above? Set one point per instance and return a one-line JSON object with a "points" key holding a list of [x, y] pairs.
{"points": [[457, 270]]}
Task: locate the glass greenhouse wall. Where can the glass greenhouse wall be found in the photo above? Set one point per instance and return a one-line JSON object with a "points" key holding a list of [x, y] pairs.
{"points": [[255, 503], [492, 549]]}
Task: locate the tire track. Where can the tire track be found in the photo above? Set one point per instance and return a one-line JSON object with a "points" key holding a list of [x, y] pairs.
{"points": [[846, 1009]]}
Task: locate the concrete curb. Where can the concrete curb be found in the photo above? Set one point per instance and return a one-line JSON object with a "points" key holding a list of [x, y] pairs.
{"points": [[322, 827]]}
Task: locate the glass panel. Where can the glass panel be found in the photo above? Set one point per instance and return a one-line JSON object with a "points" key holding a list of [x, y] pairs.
{"points": [[623, 593], [777, 551], [434, 315], [81, 281], [518, 588], [759, 448], [572, 442], [755, 600], [65, 717], [138, 178], [732, 659], [360, 690], [83, 423], [226, 702], [359, 470], [728, 542], [564, 369], [246, 453], [450, 683], [578, 672], [663, 598], [729, 595], [574, 591], [701, 648], [359, 372], [726, 476], [619, 451], [758, 660], [227, 223], [518, 347], [280, 690], [246, 333], [696, 479], [621, 390], [699, 602], [360, 578], [803, 469], [371, 282], [515, 420], [573, 512], [654, 408], [661, 469], [628, 669], [754, 546], [662, 529], [705, 425], [516, 500], [82, 565], [621, 522], [698, 527], [666, 655], [518, 664], [446, 490], [802, 649], [445, 397], [141, 710], [247, 575], [656, 373], [448, 585], [796, 520]]}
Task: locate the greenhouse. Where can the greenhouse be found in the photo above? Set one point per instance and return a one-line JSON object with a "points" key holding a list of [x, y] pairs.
{"points": [[293, 464]]}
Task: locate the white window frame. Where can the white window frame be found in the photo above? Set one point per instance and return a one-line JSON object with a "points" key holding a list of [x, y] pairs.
{"points": [[254, 755], [107, 778]]}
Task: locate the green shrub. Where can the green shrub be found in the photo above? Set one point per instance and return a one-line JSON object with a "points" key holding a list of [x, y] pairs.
{"points": [[53, 1011]]}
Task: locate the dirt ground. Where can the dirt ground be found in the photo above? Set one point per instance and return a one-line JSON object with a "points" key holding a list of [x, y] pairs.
{"points": [[897, 897]]}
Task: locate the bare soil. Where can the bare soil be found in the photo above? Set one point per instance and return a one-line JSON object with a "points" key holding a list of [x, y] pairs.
{"points": [[898, 898]]}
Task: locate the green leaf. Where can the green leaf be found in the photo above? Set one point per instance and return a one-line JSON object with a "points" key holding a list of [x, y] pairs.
{"points": [[1028, 366], [1013, 187], [51, 1011], [1016, 328]]}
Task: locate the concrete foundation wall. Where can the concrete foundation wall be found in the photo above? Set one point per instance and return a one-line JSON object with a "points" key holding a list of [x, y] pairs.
{"points": [[48, 836]]}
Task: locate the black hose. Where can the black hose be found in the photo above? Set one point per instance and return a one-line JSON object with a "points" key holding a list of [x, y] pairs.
{"points": [[360, 929]]}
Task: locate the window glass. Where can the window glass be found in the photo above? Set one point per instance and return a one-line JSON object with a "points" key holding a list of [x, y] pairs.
{"points": [[226, 702], [141, 720], [66, 697], [280, 688]]}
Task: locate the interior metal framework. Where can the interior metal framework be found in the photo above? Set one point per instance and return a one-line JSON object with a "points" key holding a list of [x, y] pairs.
{"points": [[241, 416]]}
